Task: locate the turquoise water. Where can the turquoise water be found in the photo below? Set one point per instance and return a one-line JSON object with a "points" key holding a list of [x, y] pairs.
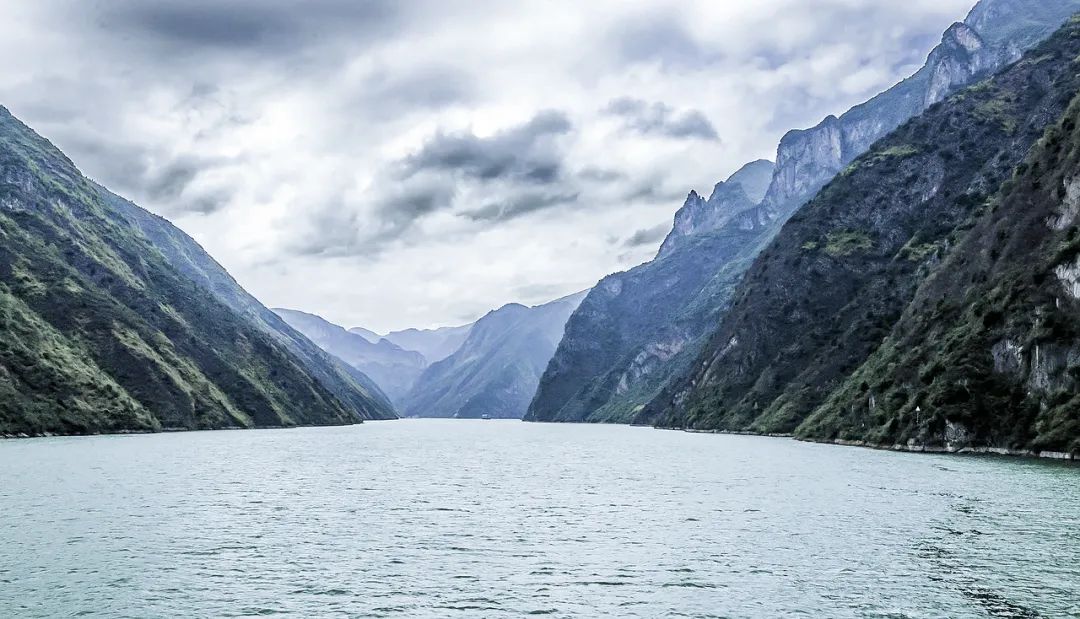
{"points": [[502, 519]]}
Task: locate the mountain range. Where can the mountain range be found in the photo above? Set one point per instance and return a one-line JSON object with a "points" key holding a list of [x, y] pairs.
{"points": [[905, 275], [641, 331], [926, 296], [496, 370], [490, 367], [393, 368]]}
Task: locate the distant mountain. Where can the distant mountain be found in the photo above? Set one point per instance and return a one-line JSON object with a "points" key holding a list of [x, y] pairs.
{"points": [[393, 368], [639, 329], [434, 344], [927, 297], [100, 332], [496, 369], [370, 336]]}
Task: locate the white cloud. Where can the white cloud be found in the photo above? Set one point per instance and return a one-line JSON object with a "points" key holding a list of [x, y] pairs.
{"points": [[275, 131]]}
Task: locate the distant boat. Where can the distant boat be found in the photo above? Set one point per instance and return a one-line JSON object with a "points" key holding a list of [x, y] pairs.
{"points": [[485, 416]]}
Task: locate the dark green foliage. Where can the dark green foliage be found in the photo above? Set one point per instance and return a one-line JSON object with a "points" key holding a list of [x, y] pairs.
{"points": [[991, 342], [98, 333]]}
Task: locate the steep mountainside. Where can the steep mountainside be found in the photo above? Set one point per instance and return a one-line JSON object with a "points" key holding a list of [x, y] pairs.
{"points": [[99, 333], [393, 368], [988, 351], [614, 358], [434, 344], [635, 329], [819, 301], [496, 370], [994, 34], [348, 384]]}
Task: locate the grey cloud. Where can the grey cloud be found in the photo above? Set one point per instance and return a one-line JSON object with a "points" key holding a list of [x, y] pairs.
{"points": [[339, 228], [386, 93], [532, 293], [520, 205], [156, 180], [245, 25], [429, 86], [653, 190], [525, 153], [600, 175], [647, 236], [658, 118], [407, 202], [662, 38]]}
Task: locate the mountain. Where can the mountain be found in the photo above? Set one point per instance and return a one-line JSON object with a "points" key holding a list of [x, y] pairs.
{"points": [[621, 348], [496, 369], [393, 368], [741, 191], [987, 352], [434, 344], [906, 302], [348, 384], [100, 333], [370, 336], [637, 329]]}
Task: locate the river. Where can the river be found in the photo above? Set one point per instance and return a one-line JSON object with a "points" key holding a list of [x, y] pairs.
{"points": [[443, 518]]}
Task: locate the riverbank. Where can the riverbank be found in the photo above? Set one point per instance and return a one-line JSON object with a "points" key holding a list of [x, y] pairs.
{"points": [[22, 435], [928, 449]]}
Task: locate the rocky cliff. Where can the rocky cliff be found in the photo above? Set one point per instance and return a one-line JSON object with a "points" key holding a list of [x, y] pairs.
{"points": [[819, 302], [638, 328], [622, 347], [994, 34], [987, 352]]}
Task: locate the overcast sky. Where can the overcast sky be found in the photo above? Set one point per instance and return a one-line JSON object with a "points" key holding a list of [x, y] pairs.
{"points": [[408, 163]]}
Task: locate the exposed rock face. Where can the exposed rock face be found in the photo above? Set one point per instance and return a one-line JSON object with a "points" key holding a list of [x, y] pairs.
{"points": [[676, 300], [988, 351], [101, 332], [880, 314], [995, 34], [744, 189], [496, 370], [391, 367]]}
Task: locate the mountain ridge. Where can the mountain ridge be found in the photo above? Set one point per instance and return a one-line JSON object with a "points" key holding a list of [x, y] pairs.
{"points": [[832, 286], [637, 355], [496, 369]]}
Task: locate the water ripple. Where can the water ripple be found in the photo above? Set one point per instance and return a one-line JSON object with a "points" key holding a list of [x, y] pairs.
{"points": [[503, 519]]}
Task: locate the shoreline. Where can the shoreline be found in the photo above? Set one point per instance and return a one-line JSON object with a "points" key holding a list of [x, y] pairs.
{"points": [[23, 435], [1060, 456], [961, 451]]}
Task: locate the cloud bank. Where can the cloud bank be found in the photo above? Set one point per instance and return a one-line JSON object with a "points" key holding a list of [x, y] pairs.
{"points": [[393, 164]]}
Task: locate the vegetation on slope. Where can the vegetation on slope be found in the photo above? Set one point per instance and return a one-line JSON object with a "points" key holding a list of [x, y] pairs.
{"points": [[831, 286], [988, 352], [99, 333]]}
